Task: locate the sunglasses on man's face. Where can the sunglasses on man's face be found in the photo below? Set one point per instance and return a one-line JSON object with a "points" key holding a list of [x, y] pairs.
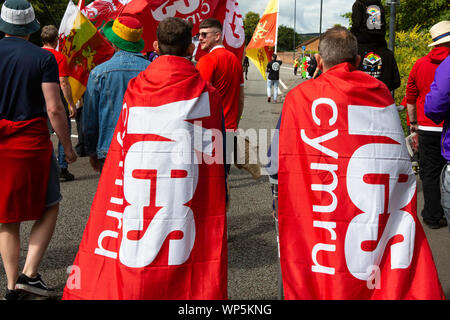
{"points": [[204, 34]]}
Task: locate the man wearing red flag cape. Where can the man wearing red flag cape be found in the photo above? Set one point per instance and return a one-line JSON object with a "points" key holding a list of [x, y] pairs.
{"points": [[157, 226], [347, 193]]}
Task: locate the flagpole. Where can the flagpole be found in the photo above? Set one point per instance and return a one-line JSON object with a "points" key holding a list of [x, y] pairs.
{"points": [[276, 29], [280, 278], [81, 4], [295, 17], [320, 27]]}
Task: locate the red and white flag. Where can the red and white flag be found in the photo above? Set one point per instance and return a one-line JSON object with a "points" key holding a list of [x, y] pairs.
{"points": [[151, 12], [347, 195], [157, 227]]}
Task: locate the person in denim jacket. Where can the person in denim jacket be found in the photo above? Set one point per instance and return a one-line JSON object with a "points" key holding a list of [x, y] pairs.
{"points": [[107, 84]]}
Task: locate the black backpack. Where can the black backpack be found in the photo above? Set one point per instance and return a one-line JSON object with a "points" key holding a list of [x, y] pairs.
{"points": [[312, 66]]}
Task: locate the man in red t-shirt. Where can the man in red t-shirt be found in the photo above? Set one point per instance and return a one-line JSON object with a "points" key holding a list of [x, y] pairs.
{"points": [[49, 37], [223, 70]]}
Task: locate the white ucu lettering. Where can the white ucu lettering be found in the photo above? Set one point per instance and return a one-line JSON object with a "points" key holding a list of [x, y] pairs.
{"points": [[380, 183], [184, 7], [233, 25], [153, 180], [326, 190]]}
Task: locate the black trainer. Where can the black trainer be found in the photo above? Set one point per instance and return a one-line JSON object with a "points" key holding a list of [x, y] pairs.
{"points": [[66, 175], [13, 295], [34, 285], [432, 225]]}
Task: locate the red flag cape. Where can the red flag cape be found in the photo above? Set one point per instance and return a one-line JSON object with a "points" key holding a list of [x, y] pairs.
{"points": [[151, 12], [347, 195], [157, 228], [25, 150]]}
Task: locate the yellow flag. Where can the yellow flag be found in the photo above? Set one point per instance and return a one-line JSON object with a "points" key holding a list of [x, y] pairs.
{"points": [[262, 45]]}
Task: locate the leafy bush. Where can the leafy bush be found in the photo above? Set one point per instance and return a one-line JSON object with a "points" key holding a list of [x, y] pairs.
{"points": [[409, 47], [423, 12]]}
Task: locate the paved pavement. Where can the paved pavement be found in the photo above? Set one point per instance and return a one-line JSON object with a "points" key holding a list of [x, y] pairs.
{"points": [[253, 262]]}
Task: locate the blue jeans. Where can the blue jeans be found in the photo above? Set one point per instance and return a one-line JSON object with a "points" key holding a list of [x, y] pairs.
{"points": [[274, 84], [445, 192], [61, 156]]}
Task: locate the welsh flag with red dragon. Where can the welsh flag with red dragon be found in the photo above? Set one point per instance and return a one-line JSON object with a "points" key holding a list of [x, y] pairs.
{"points": [[347, 195], [83, 46], [157, 226]]}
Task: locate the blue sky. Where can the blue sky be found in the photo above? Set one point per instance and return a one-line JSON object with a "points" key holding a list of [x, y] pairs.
{"points": [[308, 13]]}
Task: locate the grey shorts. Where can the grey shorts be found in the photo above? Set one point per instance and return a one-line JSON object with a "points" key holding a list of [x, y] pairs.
{"points": [[53, 190]]}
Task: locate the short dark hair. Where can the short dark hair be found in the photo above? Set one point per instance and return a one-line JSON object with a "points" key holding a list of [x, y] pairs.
{"points": [[211, 23], [274, 56], [338, 45], [49, 34], [174, 36]]}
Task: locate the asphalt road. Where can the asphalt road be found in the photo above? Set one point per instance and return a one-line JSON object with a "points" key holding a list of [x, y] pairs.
{"points": [[253, 262]]}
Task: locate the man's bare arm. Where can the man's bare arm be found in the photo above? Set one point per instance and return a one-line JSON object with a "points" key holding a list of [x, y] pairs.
{"points": [[58, 119], [412, 116], [67, 91]]}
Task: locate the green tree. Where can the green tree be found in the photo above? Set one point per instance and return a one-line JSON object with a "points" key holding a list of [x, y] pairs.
{"points": [[410, 46], [49, 11], [348, 15], [424, 13], [251, 20], [286, 38]]}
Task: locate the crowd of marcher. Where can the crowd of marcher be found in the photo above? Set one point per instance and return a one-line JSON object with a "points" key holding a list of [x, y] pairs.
{"points": [[35, 95]]}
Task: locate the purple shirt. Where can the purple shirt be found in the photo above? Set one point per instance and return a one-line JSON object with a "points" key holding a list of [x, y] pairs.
{"points": [[437, 104]]}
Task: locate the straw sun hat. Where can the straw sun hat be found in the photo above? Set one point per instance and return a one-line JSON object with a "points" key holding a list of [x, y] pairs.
{"points": [[440, 33]]}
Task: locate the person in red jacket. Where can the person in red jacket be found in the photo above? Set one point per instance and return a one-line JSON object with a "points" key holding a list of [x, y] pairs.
{"points": [[430, 158]]}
